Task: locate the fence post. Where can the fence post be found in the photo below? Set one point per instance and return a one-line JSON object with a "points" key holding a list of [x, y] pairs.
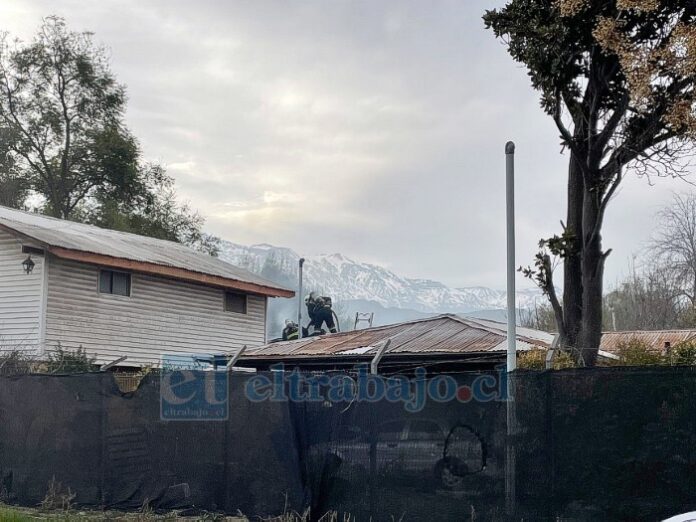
{"points": [[226, 442], [374, 365]]}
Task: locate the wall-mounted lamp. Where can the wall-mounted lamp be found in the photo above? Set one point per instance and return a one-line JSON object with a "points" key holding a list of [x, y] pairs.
{"points": [[28, 265]]}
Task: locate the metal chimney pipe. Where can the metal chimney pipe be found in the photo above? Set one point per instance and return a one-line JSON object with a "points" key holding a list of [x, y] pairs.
{"points": [[299, 300]]}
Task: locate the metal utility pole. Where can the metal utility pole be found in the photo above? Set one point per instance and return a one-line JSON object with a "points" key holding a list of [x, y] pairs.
{"points": [[510, 467], [510, 215], [299, 301]]}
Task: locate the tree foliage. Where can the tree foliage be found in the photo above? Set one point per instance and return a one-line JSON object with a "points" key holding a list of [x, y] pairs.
{"points": [[540, 317], [684, 354], [62, 138], [617, 77], [674, 243], [61, 109], [659, 293], [648, 299], [635, 352], [155, 212], [64, 361]]}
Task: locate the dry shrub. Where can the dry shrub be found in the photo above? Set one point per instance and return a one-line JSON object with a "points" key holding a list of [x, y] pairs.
{"points": [[563, 360], [16, 362], [57, 497], [64, 361], [536, 360], [532, 360], [635, 352]]}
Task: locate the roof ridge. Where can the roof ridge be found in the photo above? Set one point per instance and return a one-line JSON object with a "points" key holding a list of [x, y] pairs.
{"points": [[70, 222], [471, 322], [92, 244], [475, 324]]}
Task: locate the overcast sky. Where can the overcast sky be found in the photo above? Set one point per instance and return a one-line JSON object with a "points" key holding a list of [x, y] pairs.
{"points": [[371, 128]]}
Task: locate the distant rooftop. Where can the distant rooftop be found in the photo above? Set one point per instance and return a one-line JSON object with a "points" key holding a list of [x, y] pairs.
{"points": [[656, 339], [91, 244]]}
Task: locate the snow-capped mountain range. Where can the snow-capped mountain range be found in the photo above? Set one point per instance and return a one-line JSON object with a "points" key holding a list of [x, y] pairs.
{"points": [[347, 280]]}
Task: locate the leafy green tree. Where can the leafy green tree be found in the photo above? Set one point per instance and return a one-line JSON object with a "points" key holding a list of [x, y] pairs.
{"points": [[14, 188], [61, 111], [62, 137], [617, 77], [154, 211]]}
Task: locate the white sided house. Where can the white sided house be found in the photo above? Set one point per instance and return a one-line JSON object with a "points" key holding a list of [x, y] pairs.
{"points": [[115, 294]]}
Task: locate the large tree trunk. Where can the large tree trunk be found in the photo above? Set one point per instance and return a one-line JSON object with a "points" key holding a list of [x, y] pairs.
{"points": [[590, 333], [572, 264]]}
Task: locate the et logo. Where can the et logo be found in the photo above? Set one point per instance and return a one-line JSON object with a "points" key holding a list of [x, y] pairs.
{"points": [[190, 393]]}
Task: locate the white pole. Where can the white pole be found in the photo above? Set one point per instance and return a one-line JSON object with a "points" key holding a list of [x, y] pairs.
{"points": [[510, 207], [299, 301], [510, 464]]}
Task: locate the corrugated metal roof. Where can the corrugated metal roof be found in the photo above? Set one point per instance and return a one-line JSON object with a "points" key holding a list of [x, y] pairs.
{"points": [[443, 334], [60, 233], [654, 338]]}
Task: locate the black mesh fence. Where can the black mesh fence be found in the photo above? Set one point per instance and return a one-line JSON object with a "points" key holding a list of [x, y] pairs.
{"points": [[607, 444], [396, 460], [114, 450], [590, 444]]}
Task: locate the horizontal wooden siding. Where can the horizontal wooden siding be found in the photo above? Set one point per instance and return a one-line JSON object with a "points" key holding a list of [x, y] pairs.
{"points": [[20, 297], [160, 317]]}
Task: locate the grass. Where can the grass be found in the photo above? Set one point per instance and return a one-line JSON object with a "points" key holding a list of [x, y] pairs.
{"points": [[21, 514], [12, 515]]}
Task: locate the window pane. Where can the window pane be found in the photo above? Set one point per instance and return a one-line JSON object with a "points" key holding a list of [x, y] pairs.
{"points": [[235, 302], [105, 281], [121, 283]]}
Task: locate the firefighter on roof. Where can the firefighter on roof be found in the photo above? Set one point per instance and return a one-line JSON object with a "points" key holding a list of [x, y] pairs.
{"points": [[319, 310], [290, 332]]}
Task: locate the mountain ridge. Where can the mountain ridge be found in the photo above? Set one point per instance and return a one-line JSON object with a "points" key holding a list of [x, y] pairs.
{"points": [[345, 279]]}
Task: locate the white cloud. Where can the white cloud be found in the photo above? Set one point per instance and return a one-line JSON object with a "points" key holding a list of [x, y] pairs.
{"points": [[371, 128]]}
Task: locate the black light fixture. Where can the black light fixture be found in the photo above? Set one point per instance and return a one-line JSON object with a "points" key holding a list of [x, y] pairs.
{"points": [[28, 265]]}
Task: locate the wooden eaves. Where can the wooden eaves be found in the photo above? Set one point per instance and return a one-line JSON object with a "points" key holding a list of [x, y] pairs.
{"points": [[180, 274]]}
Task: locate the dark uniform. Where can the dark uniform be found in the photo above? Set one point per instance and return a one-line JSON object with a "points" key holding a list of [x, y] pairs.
{"points": [[319, 310], [290, 331]]}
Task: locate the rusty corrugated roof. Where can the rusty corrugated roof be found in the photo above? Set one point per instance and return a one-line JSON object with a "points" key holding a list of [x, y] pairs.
{"points": [[654, 338], [443, 334]]}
